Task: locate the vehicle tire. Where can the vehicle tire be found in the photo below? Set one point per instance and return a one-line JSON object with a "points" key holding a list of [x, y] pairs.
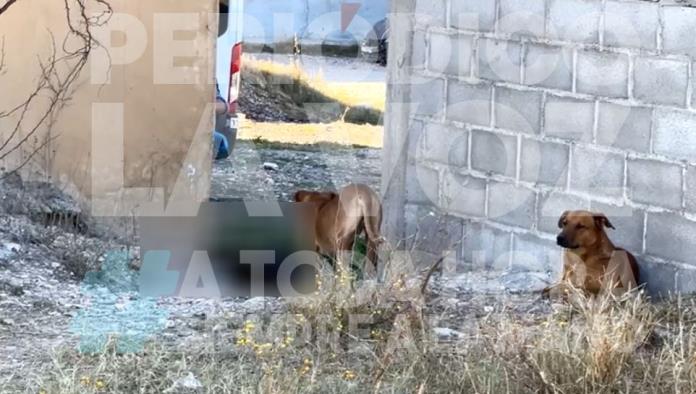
{"points": [[382, 54]]}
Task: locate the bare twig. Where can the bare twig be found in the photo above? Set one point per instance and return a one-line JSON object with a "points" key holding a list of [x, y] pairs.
{"points": [[432, 269], [57, 87], [6, 6], [46, 141], [2, 56]]}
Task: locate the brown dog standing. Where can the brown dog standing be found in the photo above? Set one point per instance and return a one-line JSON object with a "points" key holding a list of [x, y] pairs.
{"points": [[591, 262], [343, 215]]}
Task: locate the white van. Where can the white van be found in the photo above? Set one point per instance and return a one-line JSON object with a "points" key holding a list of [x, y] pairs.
{"points": [[229, 63]]}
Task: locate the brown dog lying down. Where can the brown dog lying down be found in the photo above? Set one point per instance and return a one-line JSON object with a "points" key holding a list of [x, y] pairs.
{"points": [[343, 215], [591, 262]]}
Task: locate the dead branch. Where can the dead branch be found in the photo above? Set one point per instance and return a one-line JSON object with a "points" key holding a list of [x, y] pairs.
{"points": [[57, 87], [430, 273], [2, 56], [6, 6]]}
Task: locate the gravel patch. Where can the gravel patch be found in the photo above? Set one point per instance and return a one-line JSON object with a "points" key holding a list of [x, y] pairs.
{"points": [[276, 171]]}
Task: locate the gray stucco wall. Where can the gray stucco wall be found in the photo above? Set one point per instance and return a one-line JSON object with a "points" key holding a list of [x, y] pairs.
{"points": [[521, 109]]}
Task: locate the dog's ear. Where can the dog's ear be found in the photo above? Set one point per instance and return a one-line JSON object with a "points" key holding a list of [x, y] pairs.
{"points": [[329, 196], [602, 221], [299, 196], [562, 219], [323, 197]]}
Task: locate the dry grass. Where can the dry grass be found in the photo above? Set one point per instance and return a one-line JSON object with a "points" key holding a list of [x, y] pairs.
{"points": [[592, 345], [369, 94]]}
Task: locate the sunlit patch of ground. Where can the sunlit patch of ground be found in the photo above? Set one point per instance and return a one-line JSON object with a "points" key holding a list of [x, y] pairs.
{"points": [[340, 133]]}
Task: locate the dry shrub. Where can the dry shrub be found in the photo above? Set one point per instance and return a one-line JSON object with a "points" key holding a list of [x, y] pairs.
{"points": [[590, 345]]}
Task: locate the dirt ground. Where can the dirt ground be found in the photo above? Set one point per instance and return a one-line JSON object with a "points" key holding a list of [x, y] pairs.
{"points": [[42, 267], [52, 274], [266, 170]]}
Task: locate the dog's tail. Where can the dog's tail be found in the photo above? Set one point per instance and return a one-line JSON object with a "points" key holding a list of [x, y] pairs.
{"points": [[372, 226], [371, 211], [372, 222]]}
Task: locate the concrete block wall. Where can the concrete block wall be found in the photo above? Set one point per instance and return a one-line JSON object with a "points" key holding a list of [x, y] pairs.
{"points": [[523, 109]]}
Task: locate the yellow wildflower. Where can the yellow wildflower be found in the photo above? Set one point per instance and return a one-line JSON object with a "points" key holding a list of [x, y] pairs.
{"points": [[349, 375], [99, 384]]}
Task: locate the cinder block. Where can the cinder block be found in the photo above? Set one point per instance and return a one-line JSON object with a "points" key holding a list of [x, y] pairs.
{"points": [[431, 13], [624, 127], [655, 183], [548, 66], [661, 81], [445, 144], [432, 231], [544, 162], [499, 60], [602, 73], [450, 53], [531, 253], [416, 130], [629, 223], [597, 172], [511, 205], [522, 17], [569, 118], [552, 205], [690, 192], [671, 236], [418, 49], [518, 110], [422, 185], [678, 34], [574, 20], [492, 152], [674, 134], [485, 249], [631, 24], [463, 194], [686, 281], [476, 15], [427, 95], [659, 277], [469, 103], [693, 87]]}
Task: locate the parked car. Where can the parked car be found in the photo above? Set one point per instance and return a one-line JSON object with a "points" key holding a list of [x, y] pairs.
{"points": [[229, 65], [375, 45]]}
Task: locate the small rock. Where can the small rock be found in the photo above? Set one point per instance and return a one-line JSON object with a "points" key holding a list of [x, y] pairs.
{"points": [[447, 333], [255, 303], [187, 384], [7, 322], [12, 247], [271, 166]]}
